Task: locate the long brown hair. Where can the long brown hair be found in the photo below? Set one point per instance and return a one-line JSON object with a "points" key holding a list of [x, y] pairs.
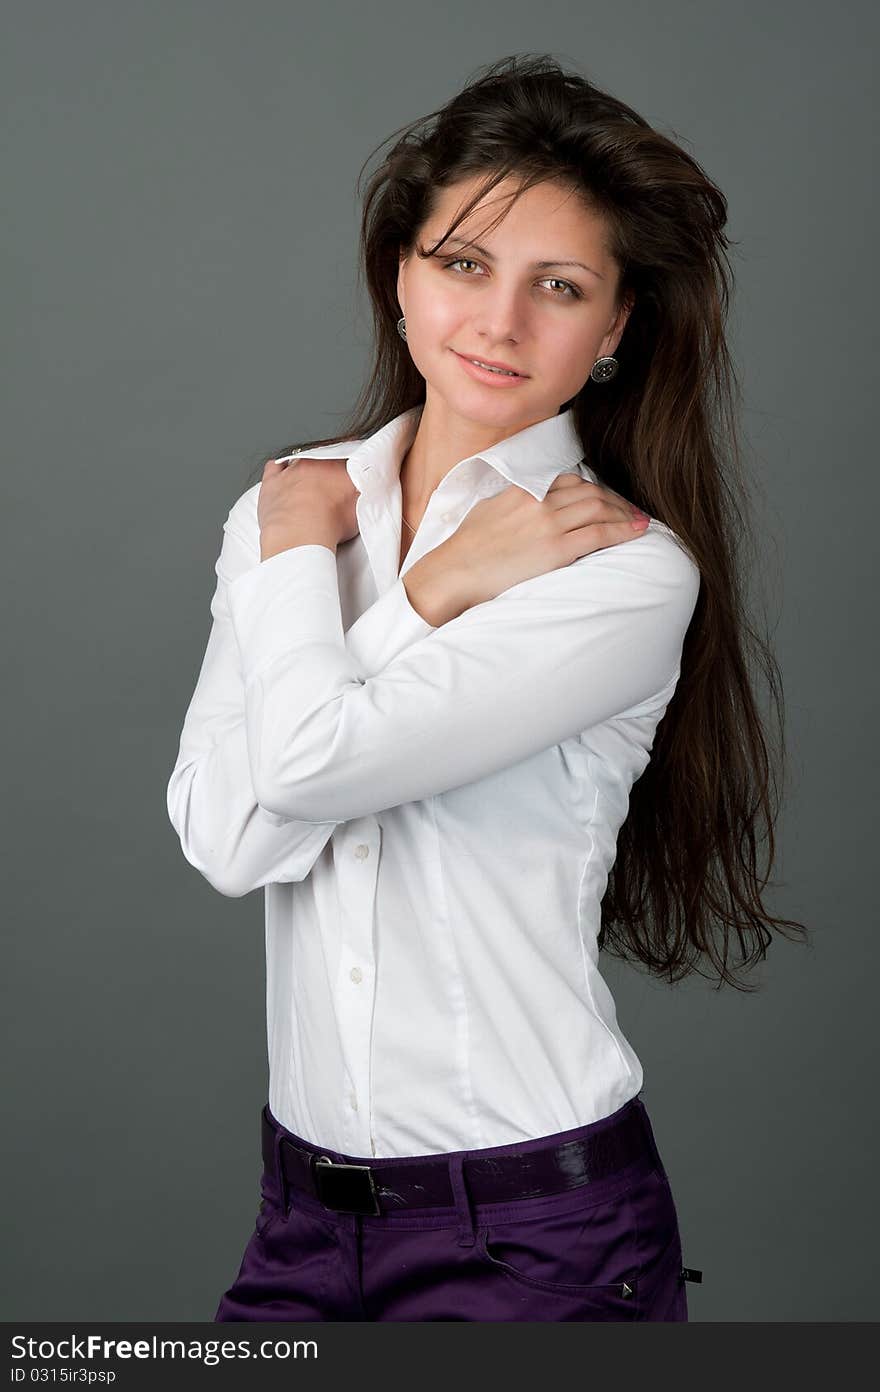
{"points": [[663, 433]]}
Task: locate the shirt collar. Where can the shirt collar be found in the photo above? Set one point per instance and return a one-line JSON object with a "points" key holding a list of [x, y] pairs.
{"points": [[531, 458]]}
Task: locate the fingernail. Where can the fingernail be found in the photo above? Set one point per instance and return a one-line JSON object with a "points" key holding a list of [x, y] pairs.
{"points": [[640, 520]]}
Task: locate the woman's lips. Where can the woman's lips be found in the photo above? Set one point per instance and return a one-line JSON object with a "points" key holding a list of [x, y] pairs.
{"points": [[494, 379]]}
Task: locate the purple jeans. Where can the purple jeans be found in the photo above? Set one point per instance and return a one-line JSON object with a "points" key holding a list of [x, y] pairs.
{"points": [[608, 1249]]}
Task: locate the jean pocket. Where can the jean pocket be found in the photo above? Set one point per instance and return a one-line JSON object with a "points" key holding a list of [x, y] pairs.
{"points": [[267, 1217], [269, 1211], [587, 1254]]}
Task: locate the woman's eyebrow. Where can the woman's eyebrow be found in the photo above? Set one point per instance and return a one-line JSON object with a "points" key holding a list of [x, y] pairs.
{"points": [[538, 265]]}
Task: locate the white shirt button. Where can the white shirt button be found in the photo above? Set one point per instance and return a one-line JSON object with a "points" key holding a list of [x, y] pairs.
{"points": [[446, 516], [356, 974], [362, 851], [352, 1102]]}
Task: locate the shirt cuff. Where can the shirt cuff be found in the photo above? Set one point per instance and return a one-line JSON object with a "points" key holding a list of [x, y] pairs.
{"points": [[289, 601], [384, 630]]}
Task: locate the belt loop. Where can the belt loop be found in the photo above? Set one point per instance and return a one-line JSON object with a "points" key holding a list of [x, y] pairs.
{"points": [[280, 1176], [466, 1236]]}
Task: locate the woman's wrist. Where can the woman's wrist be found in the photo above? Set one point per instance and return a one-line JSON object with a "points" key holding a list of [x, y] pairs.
{"points": [[434, 589], [314, 533]]}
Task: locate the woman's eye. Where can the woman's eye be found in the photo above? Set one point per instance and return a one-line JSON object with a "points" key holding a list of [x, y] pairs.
{"points": [[573, 293]]}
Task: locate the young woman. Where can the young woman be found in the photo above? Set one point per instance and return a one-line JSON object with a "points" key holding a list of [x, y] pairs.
{"points": [[468, 715]]}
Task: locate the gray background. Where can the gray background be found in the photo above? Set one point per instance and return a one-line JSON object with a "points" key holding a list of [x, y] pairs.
{"points": [[179, 300]]}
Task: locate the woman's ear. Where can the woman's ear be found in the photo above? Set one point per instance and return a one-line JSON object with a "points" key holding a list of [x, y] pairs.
{"points": [[612, 339]]}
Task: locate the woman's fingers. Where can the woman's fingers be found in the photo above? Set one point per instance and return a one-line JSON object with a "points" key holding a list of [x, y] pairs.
{"points": [[571, 488]]}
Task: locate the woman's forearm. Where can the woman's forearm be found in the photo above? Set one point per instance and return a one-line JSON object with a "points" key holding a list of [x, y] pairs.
{"points": [[434, 588]]}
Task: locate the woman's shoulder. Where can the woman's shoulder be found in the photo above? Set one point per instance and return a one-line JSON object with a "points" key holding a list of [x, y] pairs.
{"points": [[658, 548], [242, 516], [672, 552], [658, 555]]}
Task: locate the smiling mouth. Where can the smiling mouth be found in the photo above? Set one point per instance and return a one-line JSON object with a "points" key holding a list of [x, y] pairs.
{"points": [[489, 367]]}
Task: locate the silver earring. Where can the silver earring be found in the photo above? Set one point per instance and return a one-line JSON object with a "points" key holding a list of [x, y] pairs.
{"points": [[603, 369], [401, 327]]}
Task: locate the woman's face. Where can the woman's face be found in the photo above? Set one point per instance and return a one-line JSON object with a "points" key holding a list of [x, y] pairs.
{"points": [[550, 323]]}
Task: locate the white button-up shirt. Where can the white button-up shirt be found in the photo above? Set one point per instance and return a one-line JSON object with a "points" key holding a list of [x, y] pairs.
{"points": [[433, 812]]}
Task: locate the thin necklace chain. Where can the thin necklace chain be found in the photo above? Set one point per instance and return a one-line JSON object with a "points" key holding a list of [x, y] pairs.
{"points": [[402, 518]]}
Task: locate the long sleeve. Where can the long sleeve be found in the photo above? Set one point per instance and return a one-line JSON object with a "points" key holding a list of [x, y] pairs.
{"points": [[224, 833], [546, 659]]}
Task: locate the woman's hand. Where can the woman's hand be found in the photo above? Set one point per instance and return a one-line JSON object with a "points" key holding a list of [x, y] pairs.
{"points": [[512, 536], [305, 501]]}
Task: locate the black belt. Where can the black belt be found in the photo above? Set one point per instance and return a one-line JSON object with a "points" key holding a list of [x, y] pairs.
{"points": [[390, 1184]]}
